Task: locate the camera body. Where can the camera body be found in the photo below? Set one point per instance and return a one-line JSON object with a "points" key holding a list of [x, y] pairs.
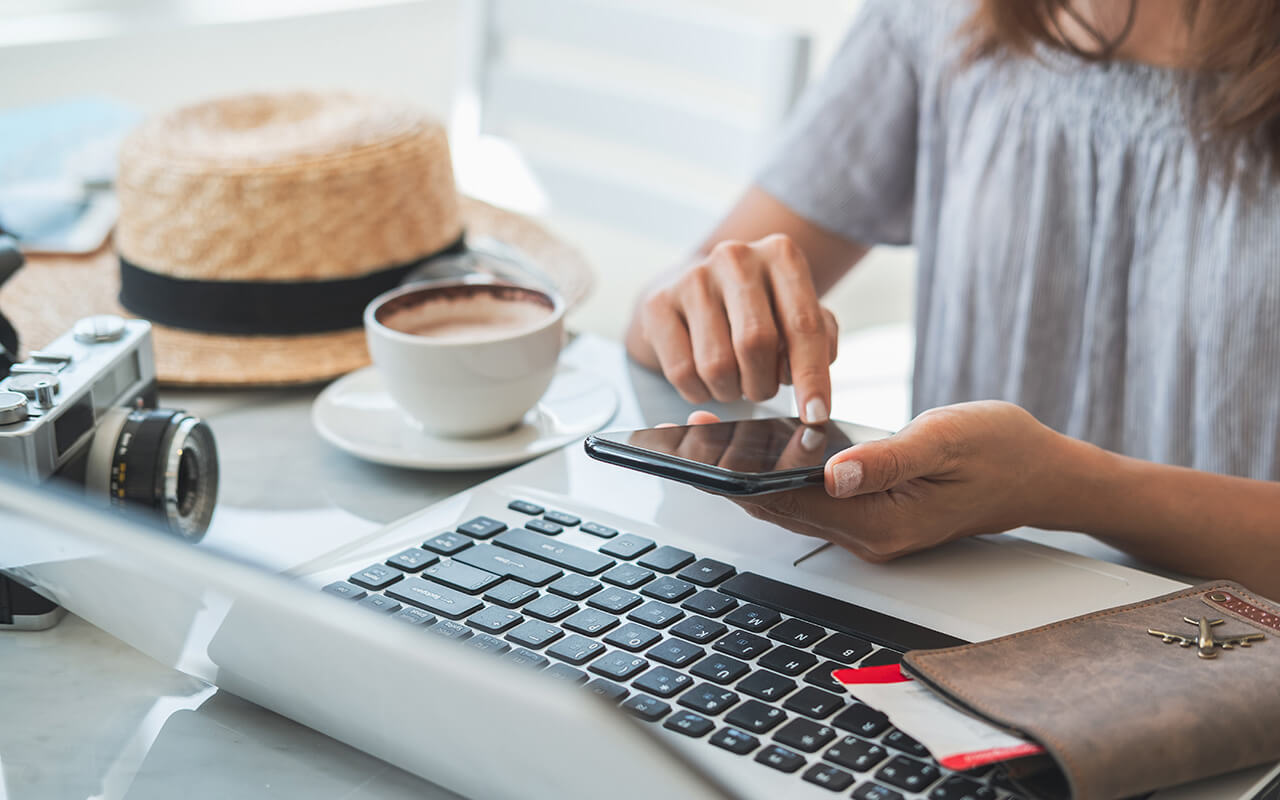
{"points": [[89, 376]]}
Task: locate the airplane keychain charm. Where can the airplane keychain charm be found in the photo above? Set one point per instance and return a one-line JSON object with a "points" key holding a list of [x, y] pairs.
{"points": [[1206, 644]]}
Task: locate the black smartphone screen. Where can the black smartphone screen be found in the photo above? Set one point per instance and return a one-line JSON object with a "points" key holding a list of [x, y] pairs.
{"points": [[742, 456]]}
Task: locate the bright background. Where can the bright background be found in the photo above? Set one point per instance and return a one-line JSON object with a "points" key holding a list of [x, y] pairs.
{"points": [[154, 54]]}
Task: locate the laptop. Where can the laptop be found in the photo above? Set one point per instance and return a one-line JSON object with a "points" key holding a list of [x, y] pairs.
{"points": [[569, 629]]}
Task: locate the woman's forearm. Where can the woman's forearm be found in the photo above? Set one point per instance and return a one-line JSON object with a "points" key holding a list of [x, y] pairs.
{"points": [[1198, 523]]}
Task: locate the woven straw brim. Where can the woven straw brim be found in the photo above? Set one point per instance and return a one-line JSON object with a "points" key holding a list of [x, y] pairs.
{"points": [[46, 297]]}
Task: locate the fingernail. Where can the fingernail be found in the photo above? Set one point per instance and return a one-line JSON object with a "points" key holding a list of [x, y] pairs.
{"points": [[847, 476], [812, 438], [815, 411]]}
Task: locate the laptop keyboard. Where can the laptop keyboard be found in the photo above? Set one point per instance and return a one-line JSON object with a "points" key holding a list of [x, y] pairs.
{"points": [[738, 660]]}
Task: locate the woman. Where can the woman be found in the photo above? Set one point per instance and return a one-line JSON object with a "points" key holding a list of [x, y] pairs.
{"points": [[1092, 189]]}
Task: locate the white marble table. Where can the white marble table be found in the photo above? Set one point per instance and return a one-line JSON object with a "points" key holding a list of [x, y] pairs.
{"points": [[85, 716]]}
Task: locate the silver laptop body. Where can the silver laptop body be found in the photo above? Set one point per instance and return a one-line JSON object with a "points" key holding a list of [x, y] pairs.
{"points": [[500, 730]]}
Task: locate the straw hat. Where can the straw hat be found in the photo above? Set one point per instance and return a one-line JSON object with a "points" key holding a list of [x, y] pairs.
{"points": [[254, 229]]}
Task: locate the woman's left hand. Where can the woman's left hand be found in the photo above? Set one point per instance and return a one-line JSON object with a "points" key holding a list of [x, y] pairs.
{"points": [[959, 470]]}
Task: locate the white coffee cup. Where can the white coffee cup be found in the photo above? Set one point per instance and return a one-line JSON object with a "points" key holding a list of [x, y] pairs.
{"points": [[465, 359]]}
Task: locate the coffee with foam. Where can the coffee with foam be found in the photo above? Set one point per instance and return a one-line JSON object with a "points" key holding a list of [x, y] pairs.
{"points": [[475, 317]]}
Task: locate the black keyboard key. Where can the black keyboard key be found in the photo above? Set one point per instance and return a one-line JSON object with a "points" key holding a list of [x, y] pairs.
{"points": [[627, 546], [562, 555], [706, 572], [835, 614], [575, 587], [488, 644], [413, 616], [596, 529], [710, 603], [820, 676], [874, 791], [347, 591], [620, 666], [525, 507], [649, 709], [575, 649], [566, 673], [482, 527], [550, 607], [667, 559], [855, 754], [633, 637], [735, 741], [797, 633], [413, 559], [435, 598], [668, 589], [608, 689], [709, 699], [376, 576], [545, 527], [675, 653], [767, 685], [494, 619], [721, 669], [534, 634], [828, 777], [780, 758], [805, 735], [814, 702], [591, 621], [446, 544], [525, 569], [510, 594], [655, 614], [562, 518], [753, 617], [461, 577], [861, 719], [450, 630], [960, 788], [788, 660], [907, 773], [689, 723], [661, 681], [756, 717], [842, 647], [743, 645], [905, 744], [881, 658], [699, 630], [628, 576], [614, 600], [527, 658], [382, 603]]}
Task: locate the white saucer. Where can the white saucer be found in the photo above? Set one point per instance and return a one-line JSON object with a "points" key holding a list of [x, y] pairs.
{"points": [[356, 414]]}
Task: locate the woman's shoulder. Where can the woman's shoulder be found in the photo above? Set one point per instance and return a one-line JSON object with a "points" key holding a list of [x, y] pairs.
{"points": [[924, 30]]}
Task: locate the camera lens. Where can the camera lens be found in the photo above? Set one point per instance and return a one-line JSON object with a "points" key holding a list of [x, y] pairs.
{"points": [[158, 459]]}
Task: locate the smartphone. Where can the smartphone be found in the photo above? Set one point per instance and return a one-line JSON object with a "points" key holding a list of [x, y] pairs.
{"points": [[743, 457]]}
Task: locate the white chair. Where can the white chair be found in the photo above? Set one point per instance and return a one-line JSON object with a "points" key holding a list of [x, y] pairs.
{"points": [[636, 116]]}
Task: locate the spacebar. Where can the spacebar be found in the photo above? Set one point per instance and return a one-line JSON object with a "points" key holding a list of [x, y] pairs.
{"points": [[835, 614]]}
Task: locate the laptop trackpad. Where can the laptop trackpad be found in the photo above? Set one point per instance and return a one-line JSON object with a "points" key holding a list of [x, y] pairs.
{"points": [[981, 587]]}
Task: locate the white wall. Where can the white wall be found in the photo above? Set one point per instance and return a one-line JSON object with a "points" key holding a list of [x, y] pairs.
{"points": [[402, 49]]}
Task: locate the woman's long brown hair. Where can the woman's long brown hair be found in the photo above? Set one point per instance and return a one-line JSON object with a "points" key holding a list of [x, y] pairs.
{"points": [[1235, 42]]}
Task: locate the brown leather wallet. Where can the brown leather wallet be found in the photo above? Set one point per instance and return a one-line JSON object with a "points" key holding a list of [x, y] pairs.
{"points": [[1129, 699]]}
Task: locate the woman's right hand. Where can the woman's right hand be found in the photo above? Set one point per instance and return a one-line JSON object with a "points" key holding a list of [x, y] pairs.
{"points": [[740, 322]]}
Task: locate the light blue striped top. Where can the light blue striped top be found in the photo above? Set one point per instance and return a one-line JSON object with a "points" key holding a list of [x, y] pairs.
{"points": [[1079, 253]]}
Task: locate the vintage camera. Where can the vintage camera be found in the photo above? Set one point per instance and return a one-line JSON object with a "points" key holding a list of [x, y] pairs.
{"points": [[83, 409]]}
